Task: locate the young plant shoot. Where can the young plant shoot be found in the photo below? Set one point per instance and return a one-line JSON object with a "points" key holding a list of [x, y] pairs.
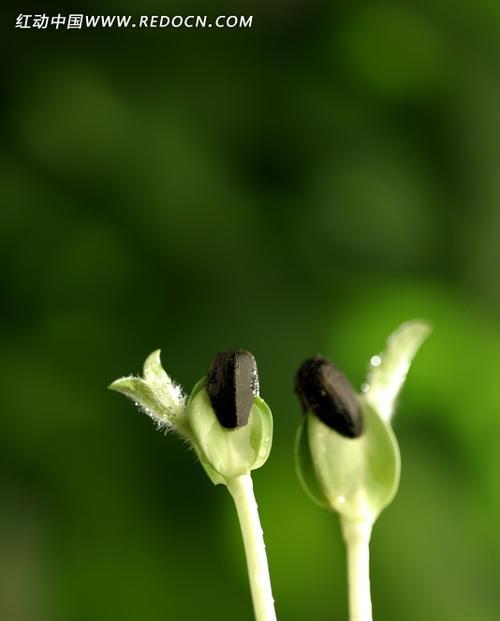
{"points": [[230, 428], [347, 455]]}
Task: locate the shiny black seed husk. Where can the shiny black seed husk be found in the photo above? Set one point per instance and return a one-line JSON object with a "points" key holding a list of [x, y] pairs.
{"points": [[324, 390], [232, 385]]}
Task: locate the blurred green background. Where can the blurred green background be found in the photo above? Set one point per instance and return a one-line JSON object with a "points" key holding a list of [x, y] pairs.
{"points": [[300, 187]]}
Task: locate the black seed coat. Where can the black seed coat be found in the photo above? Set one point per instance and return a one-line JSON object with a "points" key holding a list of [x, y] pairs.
{"points": [[324, 390], [232, 384]]}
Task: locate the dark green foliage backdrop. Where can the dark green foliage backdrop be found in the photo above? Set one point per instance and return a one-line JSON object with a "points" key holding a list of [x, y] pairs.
{"points": [[296, 188]]}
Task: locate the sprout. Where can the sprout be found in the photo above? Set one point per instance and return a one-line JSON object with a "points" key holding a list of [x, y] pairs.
{"points": [[347, 455], [230, 428]]}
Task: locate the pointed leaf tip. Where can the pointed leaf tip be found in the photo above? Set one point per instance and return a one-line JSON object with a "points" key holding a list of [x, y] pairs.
{"points": [[387, 372], [152, 366], [124, 385]]}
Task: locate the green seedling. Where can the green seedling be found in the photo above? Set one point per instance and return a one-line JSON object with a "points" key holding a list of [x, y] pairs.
{"points": [[347, 455], [230, 428]]}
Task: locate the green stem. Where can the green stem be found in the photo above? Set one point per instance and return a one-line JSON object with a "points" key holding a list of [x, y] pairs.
{"points": [[357, 539], [241, 489]]}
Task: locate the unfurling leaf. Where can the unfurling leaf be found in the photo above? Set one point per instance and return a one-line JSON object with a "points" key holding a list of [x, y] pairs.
{"points": [[388, 371]]}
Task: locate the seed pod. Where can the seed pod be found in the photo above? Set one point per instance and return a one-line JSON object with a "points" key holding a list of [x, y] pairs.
{"points": [[232, 385], [324, 390]]}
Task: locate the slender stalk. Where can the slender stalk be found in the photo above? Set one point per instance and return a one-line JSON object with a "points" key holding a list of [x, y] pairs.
{"points": [[357, 539], [241, 489]]}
